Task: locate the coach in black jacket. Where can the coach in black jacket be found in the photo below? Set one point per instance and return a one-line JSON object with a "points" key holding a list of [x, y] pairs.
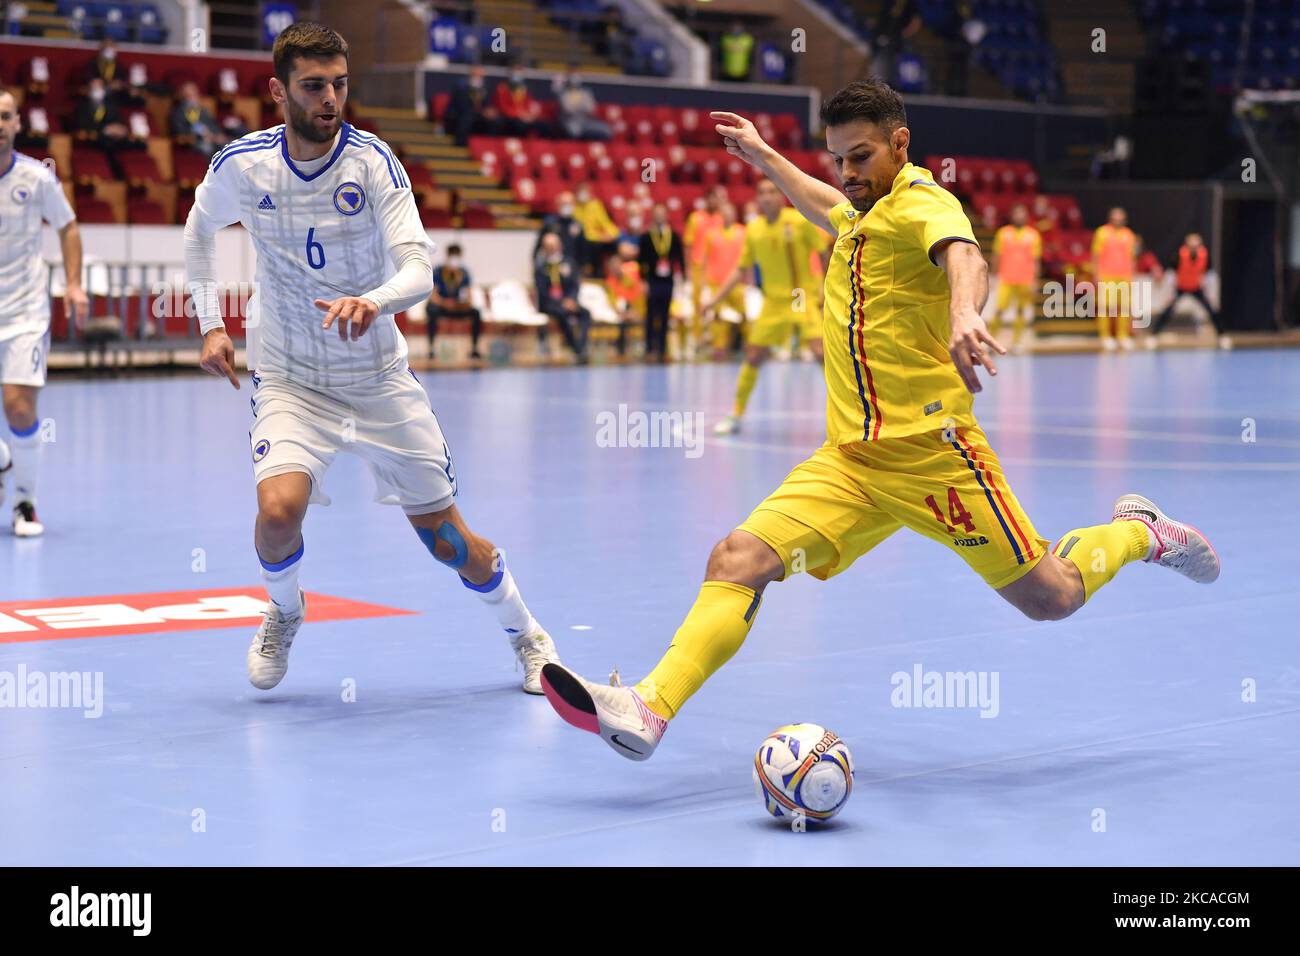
{"points": [[661, 260]]}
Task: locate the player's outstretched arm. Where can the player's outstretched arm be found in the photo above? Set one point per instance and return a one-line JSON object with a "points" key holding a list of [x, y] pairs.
{"points": [[812, 197], [968, 283], [75, 303]]}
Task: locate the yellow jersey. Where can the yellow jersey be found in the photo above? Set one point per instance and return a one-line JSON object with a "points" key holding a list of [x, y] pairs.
{"points": [[782, 250], [885, 323]]}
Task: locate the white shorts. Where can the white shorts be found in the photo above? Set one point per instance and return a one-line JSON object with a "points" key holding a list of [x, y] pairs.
{"points": [[389, 423], [22, 358]]}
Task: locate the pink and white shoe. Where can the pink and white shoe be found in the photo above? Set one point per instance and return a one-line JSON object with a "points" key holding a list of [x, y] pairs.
{"points": [[617, 714], [1178, 546]]}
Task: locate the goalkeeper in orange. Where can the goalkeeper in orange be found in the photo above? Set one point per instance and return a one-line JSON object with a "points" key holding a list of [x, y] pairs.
{"points": [[904, 345]]}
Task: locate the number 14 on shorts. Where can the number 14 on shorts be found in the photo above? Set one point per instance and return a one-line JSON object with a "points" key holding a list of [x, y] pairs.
{"points": [[957, 513]]}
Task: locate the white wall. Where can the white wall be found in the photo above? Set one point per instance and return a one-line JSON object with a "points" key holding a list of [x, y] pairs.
{"points": [[491, 255]]}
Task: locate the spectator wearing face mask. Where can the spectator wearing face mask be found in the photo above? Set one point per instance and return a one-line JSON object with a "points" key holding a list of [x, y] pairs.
{"points": [[191, 123], [450, 299], [662, 260], [555, 279], [577, 106], [470, 111], [520, 112], [564, 224], [635, 225], [98, 121], [105, 67]]}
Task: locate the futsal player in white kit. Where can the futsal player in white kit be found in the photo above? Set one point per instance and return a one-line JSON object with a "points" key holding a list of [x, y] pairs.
{"points": [[340, 249], [30, 194]]}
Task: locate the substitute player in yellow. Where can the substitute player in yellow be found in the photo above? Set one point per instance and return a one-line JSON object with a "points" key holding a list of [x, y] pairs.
{"points": [[1115, 249], [904, 337], [1017, 260], [781, 243]]}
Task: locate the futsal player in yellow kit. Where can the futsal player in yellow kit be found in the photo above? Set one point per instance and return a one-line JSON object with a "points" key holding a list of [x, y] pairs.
{"points": [[1017, 259], [1115, 249], [780, 242], [904, 338]]}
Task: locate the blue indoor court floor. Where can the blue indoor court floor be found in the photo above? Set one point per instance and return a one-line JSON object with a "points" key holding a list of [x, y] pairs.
{"points": [[1160, 725]]}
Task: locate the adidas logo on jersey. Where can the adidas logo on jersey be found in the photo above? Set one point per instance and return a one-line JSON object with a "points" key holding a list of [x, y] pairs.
{"points": [[266, 205]]}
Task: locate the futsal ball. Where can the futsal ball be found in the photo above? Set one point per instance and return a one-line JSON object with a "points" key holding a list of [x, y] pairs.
{"points": [[803, 769]]}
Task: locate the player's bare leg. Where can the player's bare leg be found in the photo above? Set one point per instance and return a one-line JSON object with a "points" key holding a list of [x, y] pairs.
{"points": [[281, 507], [482, 568], [20, 457], [632, 720], [755, 356]]}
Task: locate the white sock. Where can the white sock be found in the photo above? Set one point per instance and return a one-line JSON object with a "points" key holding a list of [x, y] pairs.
{"points": [[500, 593], [26, 451], [281, 580]]}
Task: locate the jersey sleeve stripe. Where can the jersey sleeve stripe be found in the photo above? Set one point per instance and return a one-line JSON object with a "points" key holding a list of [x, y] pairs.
{"points": [[265, 136], [251, 148], [394, 167]]}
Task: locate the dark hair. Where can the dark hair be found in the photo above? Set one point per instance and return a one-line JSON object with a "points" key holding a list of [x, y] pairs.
{"points": [[871, 100], [308, 39], [453, 249]]}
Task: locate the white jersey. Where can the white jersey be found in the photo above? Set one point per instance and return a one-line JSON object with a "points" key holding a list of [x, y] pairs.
{"points": [[322, 230], [30, 194]]}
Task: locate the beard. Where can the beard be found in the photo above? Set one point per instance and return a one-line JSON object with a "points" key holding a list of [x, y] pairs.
{"points": [[875, 190], [304, 126]]}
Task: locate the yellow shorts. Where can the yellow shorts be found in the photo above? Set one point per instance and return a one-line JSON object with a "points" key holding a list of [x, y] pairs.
{"points": [[1011, 294], [777, 324], [1114, 298], [846, 499]]}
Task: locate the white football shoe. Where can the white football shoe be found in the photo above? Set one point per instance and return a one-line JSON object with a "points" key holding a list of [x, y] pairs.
{"points": [[6, 462], [1108, 343], [268, 655], [26, 524], [617, 715], [728, 426], [533, 650], [1127, 344], [1177, 546]]}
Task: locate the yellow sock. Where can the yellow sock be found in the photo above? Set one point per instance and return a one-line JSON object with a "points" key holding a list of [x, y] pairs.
{"points": [[1103, 325], [1100, 551], [713, 631], [744, 386]]}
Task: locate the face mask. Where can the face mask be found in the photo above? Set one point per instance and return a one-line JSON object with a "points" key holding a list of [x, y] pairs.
{"points": [[453, 261], [517, 79], [109, 54], [634, 225], [583, 199], [566, 210], [476, 83], [97, 95]]}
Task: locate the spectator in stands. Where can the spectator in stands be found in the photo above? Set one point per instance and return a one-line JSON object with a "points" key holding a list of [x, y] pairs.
{"points": [[1045, 216], [897, 23], [450, 299], [1114, 251], [616, 43], [564, 224], [1193, 263], [737, 49], [662, 260], [556, 278], [470, 111], [520, 112], [599, 233], [106, 68], [635, 225], [626, 288], [192, 125], [98, 121], [577, 107], [960, 31]]}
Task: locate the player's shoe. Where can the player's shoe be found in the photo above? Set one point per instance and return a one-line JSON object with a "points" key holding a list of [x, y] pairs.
{"points": [[1109, 344], [617, 714], [1178, 546], [268, 655], [1126, 343], [26, 524], [1151, 343], [728, 426], [534, 650]]}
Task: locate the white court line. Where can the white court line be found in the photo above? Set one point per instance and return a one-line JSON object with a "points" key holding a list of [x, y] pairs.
{"points": [[624, 824]]}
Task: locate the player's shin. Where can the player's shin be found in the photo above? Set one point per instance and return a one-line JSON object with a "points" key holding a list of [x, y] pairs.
{"points": [[25, 446], [1100, 551], [745, 383], [713, 631], [500, 593]]}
